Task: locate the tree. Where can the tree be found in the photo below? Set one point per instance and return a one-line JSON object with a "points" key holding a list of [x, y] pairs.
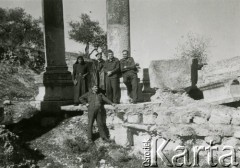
{"points": [[193, 46], [20, 36], [19, 29], [88, 32]]}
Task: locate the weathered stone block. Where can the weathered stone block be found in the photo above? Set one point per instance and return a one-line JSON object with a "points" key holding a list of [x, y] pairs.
{"points": [[171, 74], [149, 119], [181, 116], [236, 132], [120, 135], [221, 129], [186, 118], [235, 117], [183, 130], [199, 120], [163, 120], [230, 141], [74, 108], [220, 117], [221, 92], [137, 126], [202, 131], [213, 138], [136, 118]]}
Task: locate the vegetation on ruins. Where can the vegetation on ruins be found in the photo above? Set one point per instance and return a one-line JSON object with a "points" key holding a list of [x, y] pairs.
{"points": [[193, 46], [21, 39], [88, 32]]}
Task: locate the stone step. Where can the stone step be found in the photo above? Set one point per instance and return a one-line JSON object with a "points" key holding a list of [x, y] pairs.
{"points": [[82, 107], [119, 107]]}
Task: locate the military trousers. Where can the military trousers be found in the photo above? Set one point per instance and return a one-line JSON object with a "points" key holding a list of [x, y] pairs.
{"points": [[98, 114], [131, 82], [113, 91]]}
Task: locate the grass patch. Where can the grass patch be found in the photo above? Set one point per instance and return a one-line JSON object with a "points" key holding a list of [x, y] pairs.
{"points": [[110, 153]]}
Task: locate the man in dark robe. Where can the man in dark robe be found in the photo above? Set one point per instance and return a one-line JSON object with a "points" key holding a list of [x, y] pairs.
{"points": [[80, 72]]}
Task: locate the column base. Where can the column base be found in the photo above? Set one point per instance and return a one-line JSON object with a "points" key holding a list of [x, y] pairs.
{"points": [[53, 106], [142, 96], [125, 99], [55, 91]]}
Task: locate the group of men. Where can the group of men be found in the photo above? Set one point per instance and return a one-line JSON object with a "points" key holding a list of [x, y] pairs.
{"points": [[110, 71]]}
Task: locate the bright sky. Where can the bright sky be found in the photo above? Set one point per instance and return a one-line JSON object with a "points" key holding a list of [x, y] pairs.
{"points": [[157, 25]]}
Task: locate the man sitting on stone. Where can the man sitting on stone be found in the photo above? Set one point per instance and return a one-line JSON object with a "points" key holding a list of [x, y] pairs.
{"points": [[95, 103], [129, 74]]}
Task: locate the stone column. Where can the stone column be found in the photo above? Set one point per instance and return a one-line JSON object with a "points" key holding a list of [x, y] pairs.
{"points": [[118, 33], [57, 80], [118, 26]]}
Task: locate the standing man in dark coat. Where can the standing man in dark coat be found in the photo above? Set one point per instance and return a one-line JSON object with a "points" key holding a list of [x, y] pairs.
{"points": [[80, 72], [129, 73], [112, 70], [95, 103]]}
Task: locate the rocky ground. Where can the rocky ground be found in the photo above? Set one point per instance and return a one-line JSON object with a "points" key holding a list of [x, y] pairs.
{"points": [[14, 152], [65, 145], [64, 142]]}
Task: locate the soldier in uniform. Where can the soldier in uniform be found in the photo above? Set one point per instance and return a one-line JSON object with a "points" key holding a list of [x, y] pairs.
{"points": [[112, 70], [101, 76], [94, 100], [129, 73]]}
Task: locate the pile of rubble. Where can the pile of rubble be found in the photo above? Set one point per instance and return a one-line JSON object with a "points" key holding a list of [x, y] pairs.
{"points": [[168, 98], [14, 112], [13, 152]]}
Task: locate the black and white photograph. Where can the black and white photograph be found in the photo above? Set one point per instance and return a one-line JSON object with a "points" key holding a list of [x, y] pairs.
{"points": [[119, 83]]}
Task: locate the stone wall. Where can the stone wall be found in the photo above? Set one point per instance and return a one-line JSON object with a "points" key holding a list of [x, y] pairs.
{"points": [[177, 117]]}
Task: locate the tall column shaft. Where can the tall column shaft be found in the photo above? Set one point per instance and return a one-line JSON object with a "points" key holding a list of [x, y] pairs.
{"points": [[54, 34], [118, 33], [57, 80], [118, 26]]}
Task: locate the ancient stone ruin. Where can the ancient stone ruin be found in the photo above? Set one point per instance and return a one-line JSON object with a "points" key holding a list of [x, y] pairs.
{"points": [[165, 109]]}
